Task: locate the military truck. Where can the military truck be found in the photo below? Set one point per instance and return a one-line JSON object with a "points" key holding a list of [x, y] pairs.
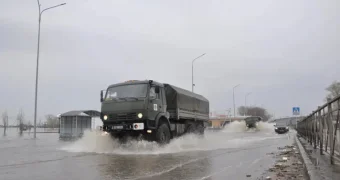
{"points": [[152, 110]]}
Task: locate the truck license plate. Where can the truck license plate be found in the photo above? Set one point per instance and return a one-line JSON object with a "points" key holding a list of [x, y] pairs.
{"points": [[117, 127]]}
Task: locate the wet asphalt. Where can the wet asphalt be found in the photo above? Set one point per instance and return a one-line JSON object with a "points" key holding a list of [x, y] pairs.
{"points": [[234, 153]]}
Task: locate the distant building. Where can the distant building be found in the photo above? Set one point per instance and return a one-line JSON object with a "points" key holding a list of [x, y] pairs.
{"points": [[219, 121], [74, 123]]}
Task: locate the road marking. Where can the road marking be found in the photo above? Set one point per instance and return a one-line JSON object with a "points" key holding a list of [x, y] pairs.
{"points": [[256, 161], [217, 172]]}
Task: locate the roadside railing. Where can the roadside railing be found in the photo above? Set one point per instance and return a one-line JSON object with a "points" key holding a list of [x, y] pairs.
{"points": [[321, 128]]}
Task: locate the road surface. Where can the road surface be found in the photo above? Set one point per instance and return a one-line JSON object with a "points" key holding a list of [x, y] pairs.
{"points": [[233, 153]]}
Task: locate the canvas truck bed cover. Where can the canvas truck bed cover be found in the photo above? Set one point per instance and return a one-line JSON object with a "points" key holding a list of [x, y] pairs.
{"points": [[178, 98]]}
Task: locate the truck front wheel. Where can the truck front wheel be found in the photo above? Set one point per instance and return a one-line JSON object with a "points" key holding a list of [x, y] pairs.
{"points": [[163, 134]]}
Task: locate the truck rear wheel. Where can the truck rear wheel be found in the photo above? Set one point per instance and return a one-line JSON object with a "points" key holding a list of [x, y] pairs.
{"points": [[200, 129], [163, 134], [196, 129]]}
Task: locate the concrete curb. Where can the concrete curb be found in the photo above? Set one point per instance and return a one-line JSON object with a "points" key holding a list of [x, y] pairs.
{"points": [[308, 163]]}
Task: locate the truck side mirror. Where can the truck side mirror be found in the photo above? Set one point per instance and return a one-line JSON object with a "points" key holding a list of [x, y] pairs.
{"points": [[157, 90], [101, 96]]}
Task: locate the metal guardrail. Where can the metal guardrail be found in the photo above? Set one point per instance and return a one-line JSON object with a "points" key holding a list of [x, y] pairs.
{"points": [[321, 128]]}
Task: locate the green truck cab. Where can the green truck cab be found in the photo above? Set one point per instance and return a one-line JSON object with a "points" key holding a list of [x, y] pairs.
{"points": [[152, 110]]}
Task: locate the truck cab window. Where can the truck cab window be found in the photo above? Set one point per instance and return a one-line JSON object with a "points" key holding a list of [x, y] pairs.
{"points": [[153, 94], [111, 95]]}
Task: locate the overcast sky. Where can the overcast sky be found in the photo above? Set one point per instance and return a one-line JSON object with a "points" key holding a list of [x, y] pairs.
{"points": [[285, 51]]}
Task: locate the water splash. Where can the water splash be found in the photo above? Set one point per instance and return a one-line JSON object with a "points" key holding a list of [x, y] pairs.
{"points": [[236, 126], [233, 136], [265, 126]]}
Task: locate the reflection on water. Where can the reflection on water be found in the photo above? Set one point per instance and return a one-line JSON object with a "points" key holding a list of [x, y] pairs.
{"points": [[13, 132], [186, 154], [152, 166]]}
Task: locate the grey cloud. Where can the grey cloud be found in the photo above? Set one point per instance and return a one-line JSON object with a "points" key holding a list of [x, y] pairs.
{"points": [[285, 52]]}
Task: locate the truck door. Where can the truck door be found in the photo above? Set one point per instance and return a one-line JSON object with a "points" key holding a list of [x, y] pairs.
{"points": [[155, 104]]}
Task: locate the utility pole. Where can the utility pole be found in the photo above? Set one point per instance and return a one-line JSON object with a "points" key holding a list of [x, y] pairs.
{"points": [[37, 68], [234, 98], [192, 72]]}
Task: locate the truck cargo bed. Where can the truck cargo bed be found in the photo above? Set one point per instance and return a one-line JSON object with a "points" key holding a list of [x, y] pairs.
{"points": [[183, 104]]}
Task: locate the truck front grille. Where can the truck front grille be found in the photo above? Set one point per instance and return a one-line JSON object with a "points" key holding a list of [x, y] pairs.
{"points": [[126, 116]]}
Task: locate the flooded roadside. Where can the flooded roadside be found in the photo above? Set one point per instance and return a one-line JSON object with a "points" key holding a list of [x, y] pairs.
{"points": [[218, 155], [288, 165]]}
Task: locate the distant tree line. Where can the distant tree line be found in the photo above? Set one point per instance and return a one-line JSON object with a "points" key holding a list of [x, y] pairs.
{"points": [[333, 91], [254, 111], [52, 121]]}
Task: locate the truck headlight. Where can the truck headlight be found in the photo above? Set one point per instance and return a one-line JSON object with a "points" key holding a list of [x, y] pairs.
{"points": [[140, 115], [105, 117]]}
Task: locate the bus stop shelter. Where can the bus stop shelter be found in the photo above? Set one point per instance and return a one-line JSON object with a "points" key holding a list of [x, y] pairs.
{"points": [[74, 123]]}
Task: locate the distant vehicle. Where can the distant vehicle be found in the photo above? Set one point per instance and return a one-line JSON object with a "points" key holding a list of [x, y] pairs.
{"points": [[252, 121], [155, 111], [281, 128]]}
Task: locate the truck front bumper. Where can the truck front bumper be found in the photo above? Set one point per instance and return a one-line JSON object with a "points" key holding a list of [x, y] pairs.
{"points": [[124, 127], [121, 126]]}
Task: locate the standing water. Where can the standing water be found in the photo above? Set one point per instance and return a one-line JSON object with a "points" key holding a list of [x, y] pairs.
{"points": [[217, 155]]}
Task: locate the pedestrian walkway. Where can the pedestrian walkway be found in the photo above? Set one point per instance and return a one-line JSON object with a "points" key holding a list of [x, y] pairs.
{"points": [[322, 165]]}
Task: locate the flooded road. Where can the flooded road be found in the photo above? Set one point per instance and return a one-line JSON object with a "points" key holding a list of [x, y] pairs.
{"points": [[232, 153]]}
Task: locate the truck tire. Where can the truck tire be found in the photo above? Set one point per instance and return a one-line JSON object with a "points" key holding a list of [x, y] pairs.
{"points": [[196, 129], [200, 129], [163, 134], [191, 129]]}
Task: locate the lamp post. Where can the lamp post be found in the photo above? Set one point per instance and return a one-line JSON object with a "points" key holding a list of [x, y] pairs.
{"points": [[192, 72], [245, 103], [234, 98], [37, 68]]}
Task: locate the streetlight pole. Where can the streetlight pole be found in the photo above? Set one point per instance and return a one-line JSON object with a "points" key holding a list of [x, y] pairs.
{"points": [[192, 72], [234, 98], [245, 104], [37, 68]]}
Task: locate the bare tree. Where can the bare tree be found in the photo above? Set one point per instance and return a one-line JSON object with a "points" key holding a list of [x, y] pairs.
{"points": [[254, 111], [52, 121], [5, 121], [20, 119], [333, 90], [29, 125]]}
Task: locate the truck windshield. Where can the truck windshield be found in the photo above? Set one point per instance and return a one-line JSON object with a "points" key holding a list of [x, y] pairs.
{"points": [[126, 91]]}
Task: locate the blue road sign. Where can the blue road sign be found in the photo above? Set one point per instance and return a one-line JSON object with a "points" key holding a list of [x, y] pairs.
{"points": [[296, 110]]}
